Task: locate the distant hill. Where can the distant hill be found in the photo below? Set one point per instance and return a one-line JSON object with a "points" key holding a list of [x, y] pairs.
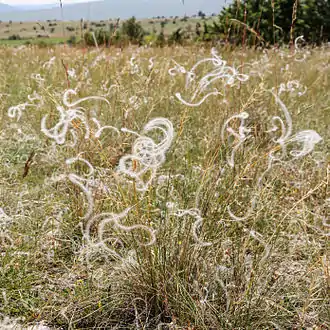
{"points": [[35, 7], [101, 10], [5, 8]]}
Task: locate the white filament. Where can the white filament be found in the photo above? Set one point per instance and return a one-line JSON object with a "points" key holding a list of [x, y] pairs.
{"points": [[241, 136], [104, 219], [221, 71], [65, 122], [83, 183], [68, 104], [147, 155], [195, 213], [17, 110]]}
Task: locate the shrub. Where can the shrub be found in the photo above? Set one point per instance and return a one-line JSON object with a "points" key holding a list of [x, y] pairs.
{"points": [[100, 24], [42, 44], [201, 14], [101, 36], [161, 41], [150, 39], [133, 30], [14, 37], [176, 37], [72, 40]]}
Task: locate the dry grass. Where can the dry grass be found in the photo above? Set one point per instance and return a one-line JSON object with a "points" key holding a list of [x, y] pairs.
{"points": [[269, 271]]}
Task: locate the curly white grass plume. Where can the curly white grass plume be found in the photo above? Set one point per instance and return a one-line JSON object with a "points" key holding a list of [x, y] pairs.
{"points": [[297, 50], [241, 136], [83, 183], [38, 78], [135, 69], [65, 122], [292, 86], [101, 242], [47, 65], [221, 71], [5, 220], [151, 63], [100, 128], [60, 130], [195, 213], [308, 139], [69, 104], [177, 69], [247, 214], [258, 237], [147, 155], [17, 110]]}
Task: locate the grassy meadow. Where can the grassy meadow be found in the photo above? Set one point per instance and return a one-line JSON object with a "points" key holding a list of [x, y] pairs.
{"points": [[142, 191]]}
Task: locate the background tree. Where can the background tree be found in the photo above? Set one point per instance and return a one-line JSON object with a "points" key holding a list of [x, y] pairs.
{"points": [[133, 30], [201, 14], [275, 21]]}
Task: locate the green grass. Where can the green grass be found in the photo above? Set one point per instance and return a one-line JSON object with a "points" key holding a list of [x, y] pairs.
{"points": [[268, 271], [48, 41]]}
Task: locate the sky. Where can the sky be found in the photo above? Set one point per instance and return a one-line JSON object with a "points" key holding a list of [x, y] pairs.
{"points": [[38, 2]]}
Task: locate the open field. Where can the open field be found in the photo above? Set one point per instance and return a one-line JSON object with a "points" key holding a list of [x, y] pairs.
{"points": [[173, 188], [57, 31]]}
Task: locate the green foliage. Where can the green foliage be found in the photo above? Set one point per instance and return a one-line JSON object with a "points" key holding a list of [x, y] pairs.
{"points": [[275, 22], [72, 40], [70, 28], [197, 29], [130, 32], [133, 30], [14, 37], [176, 37], [161, 41], [42, 44], [201, 14], [101, 38]]}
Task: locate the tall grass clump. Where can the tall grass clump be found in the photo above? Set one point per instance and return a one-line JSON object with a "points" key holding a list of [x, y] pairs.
{"points": [[172, 188]]}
